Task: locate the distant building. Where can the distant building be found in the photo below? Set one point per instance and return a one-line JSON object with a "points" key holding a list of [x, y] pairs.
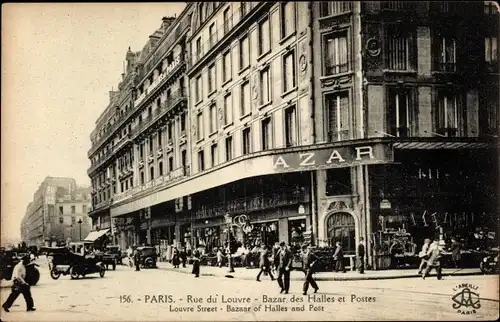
{"points": [[57, 213]]}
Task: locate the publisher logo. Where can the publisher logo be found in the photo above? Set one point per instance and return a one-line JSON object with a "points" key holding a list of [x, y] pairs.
{"points": [[466, 299]]}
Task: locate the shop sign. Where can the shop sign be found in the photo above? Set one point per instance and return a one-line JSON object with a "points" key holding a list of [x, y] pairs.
{"points": [[160, 222], [385, 204], [173, 65], [332, 158]]}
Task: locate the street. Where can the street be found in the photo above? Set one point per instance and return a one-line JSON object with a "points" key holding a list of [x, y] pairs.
{"points": [[158, 294]]}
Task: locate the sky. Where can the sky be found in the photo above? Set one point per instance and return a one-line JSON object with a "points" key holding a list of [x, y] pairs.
{"points": [[59, 61]]}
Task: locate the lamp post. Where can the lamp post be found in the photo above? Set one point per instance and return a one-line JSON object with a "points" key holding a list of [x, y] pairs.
{"points": [[80, 223]]}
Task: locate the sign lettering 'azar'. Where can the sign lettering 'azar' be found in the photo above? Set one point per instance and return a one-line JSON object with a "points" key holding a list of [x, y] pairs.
{"points": [[339, 157]]}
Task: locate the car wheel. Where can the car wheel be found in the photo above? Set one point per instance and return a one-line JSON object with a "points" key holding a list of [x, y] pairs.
{"points": [[74, 273], [55, 274], [102, 272], [114, 265]]}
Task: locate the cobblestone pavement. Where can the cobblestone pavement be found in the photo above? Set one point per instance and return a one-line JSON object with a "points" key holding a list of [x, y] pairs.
{"points": [[126, 295]]}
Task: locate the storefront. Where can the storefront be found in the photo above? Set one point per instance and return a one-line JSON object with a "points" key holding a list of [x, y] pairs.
{"points": [[429, 194], [209, 234]]}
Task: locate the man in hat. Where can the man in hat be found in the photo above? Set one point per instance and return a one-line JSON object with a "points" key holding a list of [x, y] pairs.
{"points": [[283, 263], [20, 286], [308, 262], [361, 255]]}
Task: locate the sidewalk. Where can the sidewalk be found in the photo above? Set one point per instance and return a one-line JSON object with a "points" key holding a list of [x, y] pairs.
{"points": [[251, 273]]}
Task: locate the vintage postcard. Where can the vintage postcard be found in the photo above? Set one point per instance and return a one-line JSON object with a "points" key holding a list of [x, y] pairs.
{"points": [[250, 161]]}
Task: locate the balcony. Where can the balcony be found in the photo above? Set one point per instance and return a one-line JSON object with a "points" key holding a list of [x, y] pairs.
{"points": [[171, 102], [108, 153], [249, 204], [395, 5]]}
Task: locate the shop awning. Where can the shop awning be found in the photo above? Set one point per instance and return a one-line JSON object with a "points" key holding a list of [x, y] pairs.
{"points": [[440, 145], [94, 235]]}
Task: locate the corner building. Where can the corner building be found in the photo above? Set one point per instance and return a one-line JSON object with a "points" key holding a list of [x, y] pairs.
{"points": [[324, 121]]}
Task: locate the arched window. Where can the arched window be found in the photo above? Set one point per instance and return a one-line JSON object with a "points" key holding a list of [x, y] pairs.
{"points": [[341, 227], [152, 173]]}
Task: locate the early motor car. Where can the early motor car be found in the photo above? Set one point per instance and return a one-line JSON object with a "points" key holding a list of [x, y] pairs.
{"points": [[62, 261], [112, 255], [147, 256]]}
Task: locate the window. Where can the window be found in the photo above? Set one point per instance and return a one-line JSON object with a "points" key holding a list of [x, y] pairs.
{"points": [[183, 158], [171, 164], [152, 173], [198, 90], [211, 79], [213, 118], [227, 19], [287, 18], [337, 105], [61, 212], [73, 219], [229, 148], [201, 161], [330, 8], [142, 177], [131, 183], [226, 66], [141, 150], [447, 122], [398, 48], [338, 182], [73, 210], [336, 53], [228, 109], [61, 220], [399, 116], [264, 36], [245, 98], [244, 52], [289, 70], [394, 5], [247, 140], [266, 133], [265, 89], [290, 126], [160, 168], [197, 50], [199, 125], [213, 155], [170, 130], [492, 107], [341, 227], [150, 143], [84, 209], [447, 54], [160, 134], [213, 36], [150, 111], [122, 187], [183, 123], [491, 51]]}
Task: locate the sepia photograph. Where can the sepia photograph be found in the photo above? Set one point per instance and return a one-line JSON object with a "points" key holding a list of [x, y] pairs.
{"points": [[250, 161]]}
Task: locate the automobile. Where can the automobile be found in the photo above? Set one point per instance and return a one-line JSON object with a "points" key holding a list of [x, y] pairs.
{"points": [[63, 261], [489, 264], [147, 256], [10, 258], [112, 255]]}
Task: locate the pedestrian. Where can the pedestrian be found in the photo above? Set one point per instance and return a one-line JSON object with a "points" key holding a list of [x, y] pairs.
{"points": [[361, 255], [283, 262], [338, 256], [308, 261], [434, 261], [264, 264], [423, 255], [137, 260], [220, 257], [20, 286], [175, 258], [130, 253], [456, 255], [196, 263], [183, 256]]}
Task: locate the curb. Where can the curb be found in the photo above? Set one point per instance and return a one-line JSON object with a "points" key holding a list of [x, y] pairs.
{"points": [[319, 278]]}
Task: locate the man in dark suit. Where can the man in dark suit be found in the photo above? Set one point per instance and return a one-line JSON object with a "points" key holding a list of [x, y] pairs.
{"points": [[283, 262], [338, 256], [361, 256], [308, 262]]}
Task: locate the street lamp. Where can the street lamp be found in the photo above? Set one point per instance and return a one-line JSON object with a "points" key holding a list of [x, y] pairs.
{"points": [[80, 223], [229, 222]]}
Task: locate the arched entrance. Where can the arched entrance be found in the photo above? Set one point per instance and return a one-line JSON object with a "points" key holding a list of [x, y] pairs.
{"points": [[341, 226]]}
